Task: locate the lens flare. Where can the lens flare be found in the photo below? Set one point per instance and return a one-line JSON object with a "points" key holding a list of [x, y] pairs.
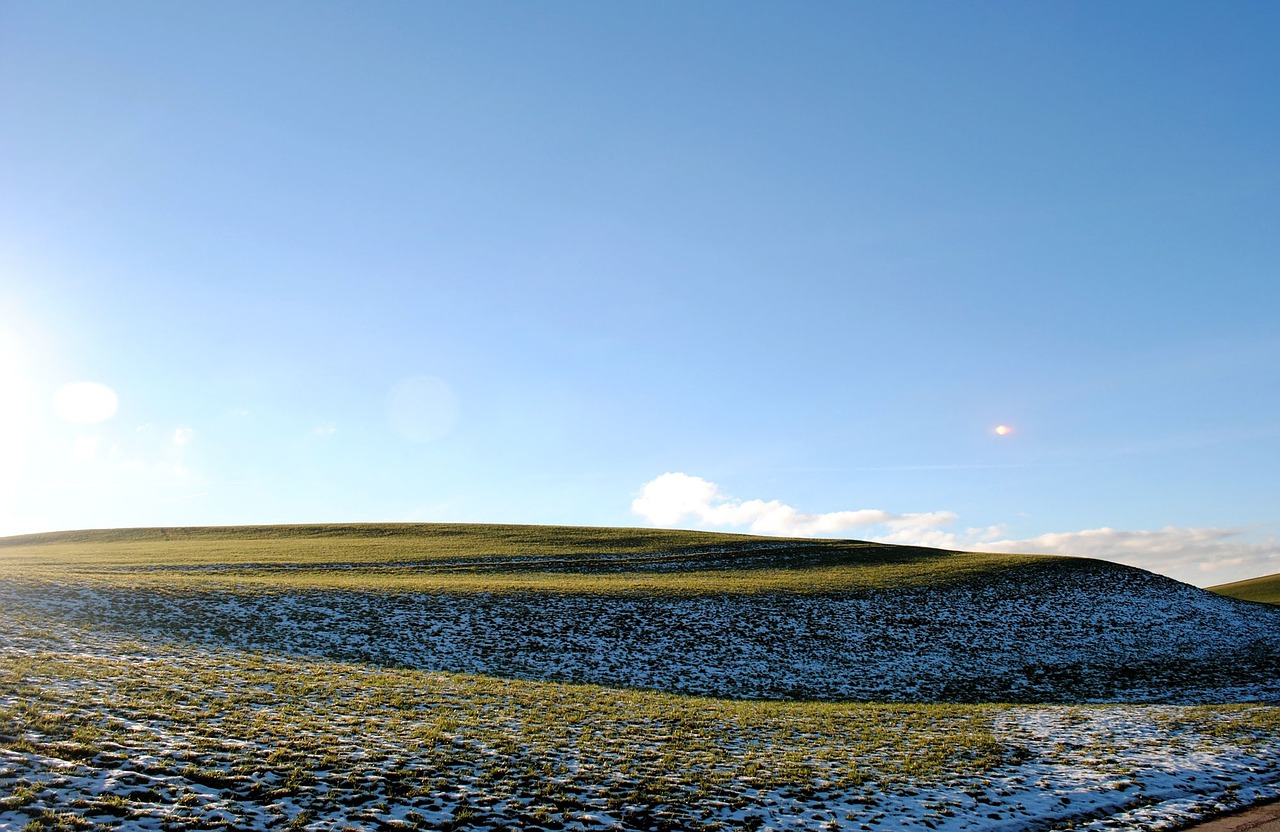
{"points": [[422, 409], [1003, 430]]}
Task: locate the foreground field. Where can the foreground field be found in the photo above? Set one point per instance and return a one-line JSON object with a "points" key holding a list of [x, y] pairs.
{"points": [[372, 679], [99, 731]]}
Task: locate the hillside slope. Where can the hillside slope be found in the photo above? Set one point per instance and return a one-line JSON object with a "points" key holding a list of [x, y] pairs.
{"points": [[1265, 589], [679, 612]]}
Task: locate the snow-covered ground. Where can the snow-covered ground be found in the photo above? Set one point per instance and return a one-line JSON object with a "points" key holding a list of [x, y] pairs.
{"points": [[163, 736], [1102, 634]]}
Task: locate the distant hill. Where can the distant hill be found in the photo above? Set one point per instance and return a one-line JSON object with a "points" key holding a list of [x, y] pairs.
{"points": [[482, 557], [686, 612], [1265, 589]]}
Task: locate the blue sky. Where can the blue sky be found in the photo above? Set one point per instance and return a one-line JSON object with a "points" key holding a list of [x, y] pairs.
{"points": [[747, 266]]}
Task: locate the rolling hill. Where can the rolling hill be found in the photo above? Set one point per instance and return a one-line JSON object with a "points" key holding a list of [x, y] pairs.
{"points": [[451, 677], [680, 612], [1265, 589]]}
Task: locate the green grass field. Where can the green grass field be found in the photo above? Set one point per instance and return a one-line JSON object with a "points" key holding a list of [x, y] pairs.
{"points": [[489, 558], [1265, 589]]}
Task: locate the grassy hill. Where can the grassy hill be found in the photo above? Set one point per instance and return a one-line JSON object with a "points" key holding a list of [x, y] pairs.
{"points": [[547, 678], [488, 558], [1265, 589], [677, 611]]}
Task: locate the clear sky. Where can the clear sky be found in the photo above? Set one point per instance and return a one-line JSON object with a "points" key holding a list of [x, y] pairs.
{"points": [[767, 267]]}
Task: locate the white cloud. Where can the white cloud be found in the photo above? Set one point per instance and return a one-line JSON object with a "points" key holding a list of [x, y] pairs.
{"points": [[970, 540], [1197, 555], [324, 429], [1201, 556], [183, 436], [676, 497]]}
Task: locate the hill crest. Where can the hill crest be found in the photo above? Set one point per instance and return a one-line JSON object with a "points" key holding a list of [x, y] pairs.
{"points": [[500, 558]]}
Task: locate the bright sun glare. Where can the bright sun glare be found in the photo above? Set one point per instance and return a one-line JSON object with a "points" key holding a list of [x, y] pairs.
{"points": [[1003, 430], [85, 402]]}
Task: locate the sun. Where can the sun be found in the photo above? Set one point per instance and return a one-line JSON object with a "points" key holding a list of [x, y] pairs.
{"points": [[85, 402], [1003, 430]]}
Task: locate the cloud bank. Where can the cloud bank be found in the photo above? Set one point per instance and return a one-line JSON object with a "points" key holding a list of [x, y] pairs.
{"points": [[675, 498], [1197, 555]]}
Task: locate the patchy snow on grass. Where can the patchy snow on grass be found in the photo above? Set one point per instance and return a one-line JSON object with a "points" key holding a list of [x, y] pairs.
{"points": [[95, 730], [1098, 635], [175, 708]]}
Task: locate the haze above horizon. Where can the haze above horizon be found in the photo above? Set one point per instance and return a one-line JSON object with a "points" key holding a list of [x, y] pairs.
{"points": [[977, 277]]}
